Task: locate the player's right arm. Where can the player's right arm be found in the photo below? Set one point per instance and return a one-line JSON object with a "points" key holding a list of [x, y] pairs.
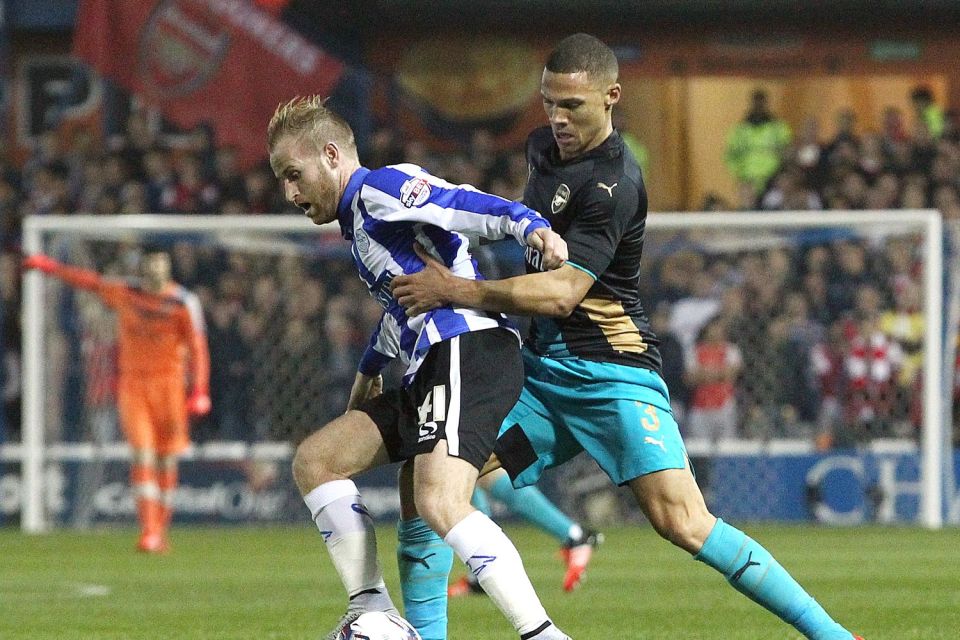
{"points": [[547, 293], [364, 388], [74, 276], [384, 346], [592, 240]]}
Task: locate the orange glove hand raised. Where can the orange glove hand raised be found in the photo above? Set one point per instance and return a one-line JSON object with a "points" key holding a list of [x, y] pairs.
{"points": [[41, 262], [198, 404]]}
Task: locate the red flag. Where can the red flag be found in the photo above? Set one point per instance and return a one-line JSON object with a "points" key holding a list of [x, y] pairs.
{"points": [[226, 62]]}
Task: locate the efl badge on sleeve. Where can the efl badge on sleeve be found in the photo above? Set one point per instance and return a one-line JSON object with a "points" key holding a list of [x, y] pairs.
{"points": [[414, 192]]}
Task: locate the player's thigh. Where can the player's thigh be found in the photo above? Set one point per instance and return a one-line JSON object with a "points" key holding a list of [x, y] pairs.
{"points": [[531, 440], [344, 447], [627, 436], [168, 406], [459, 396], [443, 486], [135, 418], [490, 478]]}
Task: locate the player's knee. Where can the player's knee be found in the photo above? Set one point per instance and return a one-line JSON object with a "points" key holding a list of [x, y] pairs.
{"points": [[408, 507], [430, 505], [686, 526], [311, 467], [439, 509]]}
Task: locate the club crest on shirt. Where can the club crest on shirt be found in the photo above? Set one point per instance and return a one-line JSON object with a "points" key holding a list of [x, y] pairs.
{"points": [[560, 199], [362, 241], [414, 192]]}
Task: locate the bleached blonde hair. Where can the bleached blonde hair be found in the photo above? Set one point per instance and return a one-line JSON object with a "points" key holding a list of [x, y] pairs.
{"points": [[309, 116]]}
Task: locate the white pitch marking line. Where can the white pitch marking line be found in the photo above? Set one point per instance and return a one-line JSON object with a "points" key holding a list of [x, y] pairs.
{"points": [[92, 590]]}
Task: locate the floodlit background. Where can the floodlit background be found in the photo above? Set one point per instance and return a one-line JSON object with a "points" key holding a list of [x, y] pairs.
{"points": [[823, 282]]}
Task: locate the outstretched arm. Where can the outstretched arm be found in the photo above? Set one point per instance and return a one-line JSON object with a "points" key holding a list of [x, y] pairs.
{"points": [[74, 276], [550, 293]]}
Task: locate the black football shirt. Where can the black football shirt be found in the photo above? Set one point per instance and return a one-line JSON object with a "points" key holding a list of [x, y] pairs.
{"points": [[598, 204]]}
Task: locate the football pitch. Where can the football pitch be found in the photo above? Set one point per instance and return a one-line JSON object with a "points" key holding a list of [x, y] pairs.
{"points": [[226, 583]]}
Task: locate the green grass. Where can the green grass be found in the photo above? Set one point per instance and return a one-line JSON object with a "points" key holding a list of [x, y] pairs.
{"points": [[220, 583]]}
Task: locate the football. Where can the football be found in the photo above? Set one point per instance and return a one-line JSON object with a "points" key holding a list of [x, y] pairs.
{"points": [[378, 625]]}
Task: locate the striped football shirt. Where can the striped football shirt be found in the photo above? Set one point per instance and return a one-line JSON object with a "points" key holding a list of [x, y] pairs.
{"points": [[383, 212]]}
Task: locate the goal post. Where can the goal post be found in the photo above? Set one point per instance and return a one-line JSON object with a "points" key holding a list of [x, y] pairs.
{"points": [[296, 381], [36, 230]]}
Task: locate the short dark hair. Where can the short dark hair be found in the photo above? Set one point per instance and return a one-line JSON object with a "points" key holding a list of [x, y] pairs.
{"points": [[583, 52], [922, 93]]}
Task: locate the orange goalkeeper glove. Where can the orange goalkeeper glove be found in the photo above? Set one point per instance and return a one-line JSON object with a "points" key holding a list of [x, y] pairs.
{"points": [[198, 404], [41, 262]]}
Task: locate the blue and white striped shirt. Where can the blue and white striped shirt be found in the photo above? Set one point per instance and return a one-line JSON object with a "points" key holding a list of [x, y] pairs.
{"points": [[383, 212]]}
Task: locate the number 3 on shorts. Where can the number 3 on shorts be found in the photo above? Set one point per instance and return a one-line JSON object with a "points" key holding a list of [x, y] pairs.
{"points": [[651, 423]]}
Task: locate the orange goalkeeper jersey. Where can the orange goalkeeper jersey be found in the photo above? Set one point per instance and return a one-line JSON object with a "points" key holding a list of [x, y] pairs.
{"points": [[158, 333]]}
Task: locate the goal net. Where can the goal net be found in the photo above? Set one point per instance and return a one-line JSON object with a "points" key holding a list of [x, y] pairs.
{"points": [[804, 352]]}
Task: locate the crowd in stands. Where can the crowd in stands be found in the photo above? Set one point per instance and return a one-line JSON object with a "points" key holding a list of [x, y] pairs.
{"points": [[809, 337]]}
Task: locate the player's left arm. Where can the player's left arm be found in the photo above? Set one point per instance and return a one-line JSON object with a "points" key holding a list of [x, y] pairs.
{"points": [[198, 403]]}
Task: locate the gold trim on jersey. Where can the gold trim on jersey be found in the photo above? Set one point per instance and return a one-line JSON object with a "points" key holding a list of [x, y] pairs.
{"points": [[616, 325]]}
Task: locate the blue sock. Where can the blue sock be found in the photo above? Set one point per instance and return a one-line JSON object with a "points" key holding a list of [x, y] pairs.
{"points": [[481, 502], [532, 505], [424, 560], [752, 571]]}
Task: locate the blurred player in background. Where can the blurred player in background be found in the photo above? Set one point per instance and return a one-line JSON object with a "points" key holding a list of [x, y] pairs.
{"points": [[162, 350], [463, 375], [592, 367]]}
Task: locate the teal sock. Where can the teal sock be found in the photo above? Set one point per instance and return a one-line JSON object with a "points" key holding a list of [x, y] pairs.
{"points": [[532, 505], [752, 571], [481, 502], [424, 560]]}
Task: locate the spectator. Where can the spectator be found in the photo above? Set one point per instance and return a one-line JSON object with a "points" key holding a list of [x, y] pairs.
{"points": [[711, 371], [810, 155], [789, 191], [826, 364], [226, 175], [850, 276], [193, 192], [691, 312], [870, 367], [845, 134], [757, 145], [928, 113], [161, 181], [674, 361], [904, 325]]}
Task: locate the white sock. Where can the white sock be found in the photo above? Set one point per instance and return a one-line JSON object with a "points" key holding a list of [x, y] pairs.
{"points": [[493, 559], [347, 530]]}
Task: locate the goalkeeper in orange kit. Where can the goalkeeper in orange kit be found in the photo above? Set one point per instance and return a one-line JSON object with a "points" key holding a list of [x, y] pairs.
{"points": [[161, 332]]}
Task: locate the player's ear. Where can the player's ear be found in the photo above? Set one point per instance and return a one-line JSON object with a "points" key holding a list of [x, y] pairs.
{"points": [[612, 96], [331, 153]]}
